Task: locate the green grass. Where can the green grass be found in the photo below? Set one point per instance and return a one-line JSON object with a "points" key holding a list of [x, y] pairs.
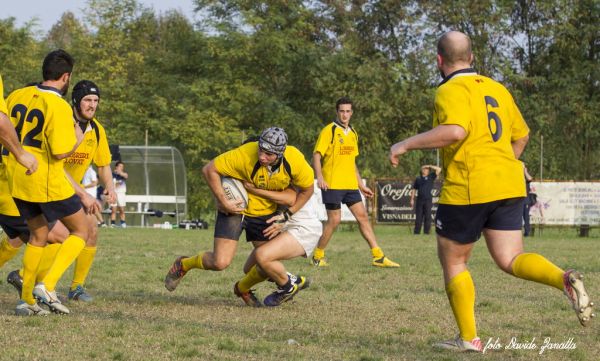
{"points": [[353, 311]]}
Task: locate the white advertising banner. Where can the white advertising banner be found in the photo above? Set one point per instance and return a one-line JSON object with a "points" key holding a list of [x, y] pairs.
{"points": [[566, 203]]}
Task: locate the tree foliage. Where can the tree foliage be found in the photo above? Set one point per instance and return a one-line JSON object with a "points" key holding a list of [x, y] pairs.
{"points": [[250, 64]]}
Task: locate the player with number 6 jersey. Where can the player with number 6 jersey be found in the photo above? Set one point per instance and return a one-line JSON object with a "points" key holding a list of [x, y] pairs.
{"points": [[493, 123], [482, 134]]}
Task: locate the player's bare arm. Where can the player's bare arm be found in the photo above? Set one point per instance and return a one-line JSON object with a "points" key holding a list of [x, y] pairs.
{"points": [[518, 146], [286, 197], [213, 179], [319, 171], [438, 137], [302, 197], [435, 168], [105, 175], [87, 201], [366, 191], [278, 220], [122, 174]]}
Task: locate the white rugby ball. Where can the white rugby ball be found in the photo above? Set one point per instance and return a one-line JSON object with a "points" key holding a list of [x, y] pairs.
{"points": [[234, 190]]}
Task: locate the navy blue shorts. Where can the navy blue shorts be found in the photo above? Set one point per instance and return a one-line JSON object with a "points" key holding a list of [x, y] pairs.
{"points": [[51, 210], [333, 198], [14, 226], [230, 226], [17, 227], [464, 224]]}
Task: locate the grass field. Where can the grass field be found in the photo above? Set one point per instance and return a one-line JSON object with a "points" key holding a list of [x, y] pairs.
{"points": [[353, 311]]}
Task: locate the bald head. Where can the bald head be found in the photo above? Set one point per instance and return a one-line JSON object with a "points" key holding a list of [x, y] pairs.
{"points": [[455, 48]]}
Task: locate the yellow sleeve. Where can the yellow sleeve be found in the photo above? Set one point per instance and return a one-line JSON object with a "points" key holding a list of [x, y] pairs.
{"points": [[324, 140], [60, 130], [232, 164], [519, 127], [102, 157], [304, 177], [450, 106], [3, 107]]}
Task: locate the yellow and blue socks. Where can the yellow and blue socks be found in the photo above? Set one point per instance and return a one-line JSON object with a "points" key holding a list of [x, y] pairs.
{"points": [[461, 294], [534, 267]]}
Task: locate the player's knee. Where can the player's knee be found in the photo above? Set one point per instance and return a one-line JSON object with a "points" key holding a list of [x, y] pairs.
{"points": [[505, 265], [262, 257], [81, 232], [221, 263], [361, 218], [334, 222], [15, 242]]}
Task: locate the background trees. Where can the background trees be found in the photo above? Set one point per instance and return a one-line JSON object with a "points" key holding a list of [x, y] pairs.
{"points": [[250, 64]]}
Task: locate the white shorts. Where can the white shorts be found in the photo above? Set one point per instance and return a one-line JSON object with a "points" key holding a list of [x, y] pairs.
{"points": [[120, 200], [307, 234], [93, 191]]}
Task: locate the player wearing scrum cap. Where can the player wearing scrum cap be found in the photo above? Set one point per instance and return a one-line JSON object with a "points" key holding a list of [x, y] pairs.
{"points": [[268, 164], [93, 149]]}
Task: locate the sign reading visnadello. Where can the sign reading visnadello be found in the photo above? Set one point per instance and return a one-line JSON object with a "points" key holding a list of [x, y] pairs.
{"points": [[393, 201]]}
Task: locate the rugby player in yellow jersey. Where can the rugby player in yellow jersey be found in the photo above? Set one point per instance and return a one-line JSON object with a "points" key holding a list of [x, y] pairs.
{"points": [[44, 124], [269, 164], [334, 161], [93, 148], [14, 226], [482, 134]]}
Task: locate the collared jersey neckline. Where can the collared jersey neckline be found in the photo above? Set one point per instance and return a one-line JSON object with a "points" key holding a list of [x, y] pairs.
{"points": [[346, 130], [49, 89], [461, 72]]}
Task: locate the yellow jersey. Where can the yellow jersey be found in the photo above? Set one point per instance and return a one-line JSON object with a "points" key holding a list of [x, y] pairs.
{"points": [[7, 205], [338, 147], [3, 108], [242, 163], [45, 126], [93, 148], [482, 167]]}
